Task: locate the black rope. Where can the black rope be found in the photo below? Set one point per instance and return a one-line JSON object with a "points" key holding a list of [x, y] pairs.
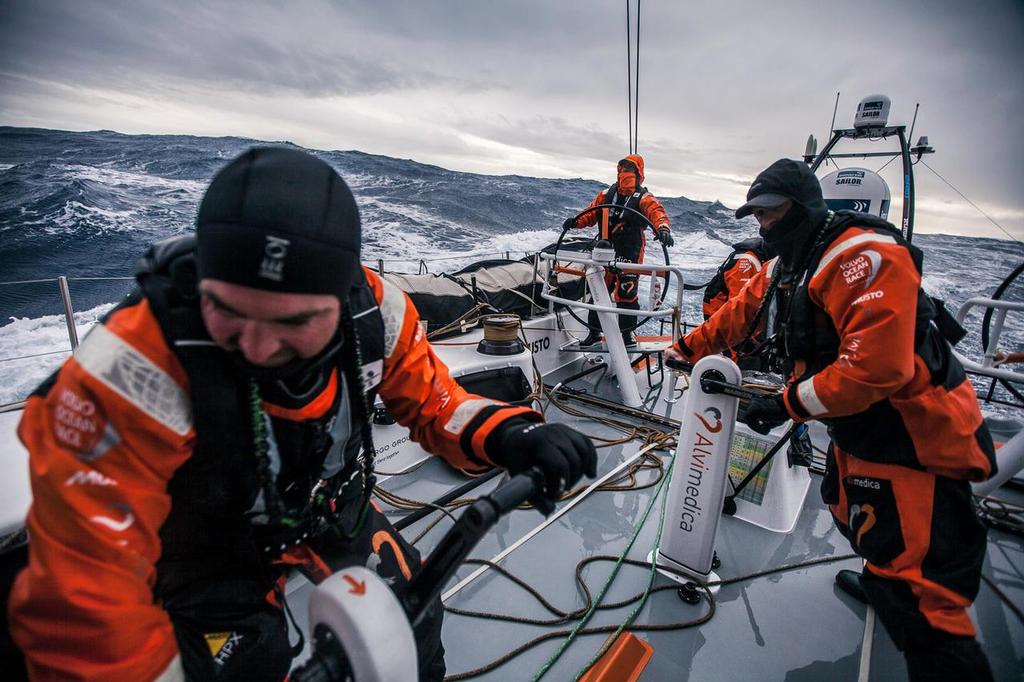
{"points": [[1003, 597], [569, 616]]}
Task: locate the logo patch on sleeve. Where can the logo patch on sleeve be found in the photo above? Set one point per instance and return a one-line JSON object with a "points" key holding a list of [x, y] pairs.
{"points": [[862, 268], [77, 422]]}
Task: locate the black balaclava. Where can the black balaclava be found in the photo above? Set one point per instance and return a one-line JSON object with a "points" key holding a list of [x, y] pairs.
{"points": [[767, 250], [792, 235], [282, 220]]}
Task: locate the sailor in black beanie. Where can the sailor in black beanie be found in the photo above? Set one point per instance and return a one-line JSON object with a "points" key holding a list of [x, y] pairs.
{"points": [[786, 200], [230, 400]]}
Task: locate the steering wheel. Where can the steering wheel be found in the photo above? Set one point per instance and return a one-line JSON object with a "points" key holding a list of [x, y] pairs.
{"points": [[986, 322], [666, 275]]}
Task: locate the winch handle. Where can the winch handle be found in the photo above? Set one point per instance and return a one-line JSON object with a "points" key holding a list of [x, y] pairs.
{"points": [[329, 661], [713, 382], [527, 486], [453, 548], [672, 363]]}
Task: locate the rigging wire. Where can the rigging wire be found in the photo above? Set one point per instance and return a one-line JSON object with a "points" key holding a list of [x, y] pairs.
{"points": [[991, 219], [633, 76], [629, 79], [636, 90], [896, 156]]}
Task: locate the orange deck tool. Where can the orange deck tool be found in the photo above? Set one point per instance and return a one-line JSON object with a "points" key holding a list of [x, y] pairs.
{"points": [[623, 662]]}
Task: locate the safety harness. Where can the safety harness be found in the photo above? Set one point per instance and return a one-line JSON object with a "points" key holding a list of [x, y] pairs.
{"points": [[614, 220], [214, 523], [800, 330]]}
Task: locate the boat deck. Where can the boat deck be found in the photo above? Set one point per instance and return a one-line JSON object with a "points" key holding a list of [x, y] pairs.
{"points": [[769, 622]]}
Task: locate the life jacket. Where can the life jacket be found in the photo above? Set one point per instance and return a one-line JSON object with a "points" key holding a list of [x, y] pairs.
{"points": [[803, 331], [619, 221], [215, 523], [716, 285]]}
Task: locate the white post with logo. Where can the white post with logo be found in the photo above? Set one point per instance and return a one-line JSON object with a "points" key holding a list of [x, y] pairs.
{"points": [[700, 472]]}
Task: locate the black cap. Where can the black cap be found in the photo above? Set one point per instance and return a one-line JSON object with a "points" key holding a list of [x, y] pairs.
{"points": [[784, 179], [280, 219]]}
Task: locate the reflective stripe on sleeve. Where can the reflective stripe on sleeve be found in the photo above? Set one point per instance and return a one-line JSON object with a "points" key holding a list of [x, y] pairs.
{"points": [[809, 398], [392, 310], [130, 374], [832, 253], [465, 412]]}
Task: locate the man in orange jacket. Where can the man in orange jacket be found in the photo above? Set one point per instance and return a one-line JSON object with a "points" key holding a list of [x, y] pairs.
{"points": [[215, 429], [843, 309], [624, 227], [747, 258]]}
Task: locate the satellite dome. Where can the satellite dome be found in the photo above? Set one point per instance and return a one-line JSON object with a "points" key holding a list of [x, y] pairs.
{"points": [[856, 189]]}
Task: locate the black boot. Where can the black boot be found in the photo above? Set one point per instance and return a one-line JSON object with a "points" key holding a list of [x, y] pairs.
{"points": [[849, 582], [594, 335], [627, 321]]}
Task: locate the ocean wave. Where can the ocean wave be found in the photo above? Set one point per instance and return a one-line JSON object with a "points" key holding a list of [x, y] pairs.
{"points": [[88, 204], [32, 348], [113, 177]]}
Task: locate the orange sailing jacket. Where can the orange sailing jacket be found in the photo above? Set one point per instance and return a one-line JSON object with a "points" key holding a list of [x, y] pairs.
{"points": [[889, 387], [107, 433], [732, 275]]}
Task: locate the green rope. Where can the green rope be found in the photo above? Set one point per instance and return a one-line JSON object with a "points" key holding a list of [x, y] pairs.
{"points": [[647, 590], [271, 500], [567, 642]]}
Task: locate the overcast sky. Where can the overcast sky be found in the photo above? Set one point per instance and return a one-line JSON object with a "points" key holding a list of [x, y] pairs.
{"points": [[538, 88]]}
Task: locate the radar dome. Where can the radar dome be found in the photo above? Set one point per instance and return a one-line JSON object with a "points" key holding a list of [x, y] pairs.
{"points": [[856, 189]]}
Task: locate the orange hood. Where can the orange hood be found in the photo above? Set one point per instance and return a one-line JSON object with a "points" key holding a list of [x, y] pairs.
{"points": [[629, 180]]}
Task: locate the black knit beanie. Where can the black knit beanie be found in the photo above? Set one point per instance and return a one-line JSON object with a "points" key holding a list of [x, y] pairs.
{"points": [[279, 219]]}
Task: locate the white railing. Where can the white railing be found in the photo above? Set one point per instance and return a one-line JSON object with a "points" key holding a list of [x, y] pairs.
{"points": [[660, 312], [595, 266], [987, 366]]}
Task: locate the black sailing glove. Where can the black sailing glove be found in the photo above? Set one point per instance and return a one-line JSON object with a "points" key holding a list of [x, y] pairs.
{"points": [[665, 237], [561, 452], [765, 413], [569, 224]]}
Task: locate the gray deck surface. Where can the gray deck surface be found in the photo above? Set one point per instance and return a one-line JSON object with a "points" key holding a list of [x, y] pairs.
{"points": [[793, 626]]}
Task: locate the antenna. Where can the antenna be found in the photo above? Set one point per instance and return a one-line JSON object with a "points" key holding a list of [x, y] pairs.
{"points": [[914, 123], [811, 150], [832, 126]]}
